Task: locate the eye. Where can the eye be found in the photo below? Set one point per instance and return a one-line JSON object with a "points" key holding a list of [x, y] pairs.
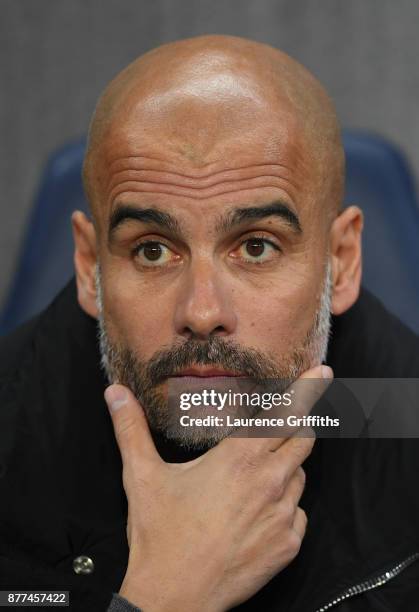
{"points": [[153, 253], [257, 250]]}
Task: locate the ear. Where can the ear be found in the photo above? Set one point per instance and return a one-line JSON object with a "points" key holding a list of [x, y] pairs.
{"points": [[346, 251], [85, 257]]}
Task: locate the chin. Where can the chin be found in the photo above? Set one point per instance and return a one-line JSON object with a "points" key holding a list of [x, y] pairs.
{"points": [[197, 439]]}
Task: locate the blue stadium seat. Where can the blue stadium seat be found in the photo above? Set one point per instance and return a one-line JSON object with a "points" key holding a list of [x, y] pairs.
{"points": [[378, 180], [46, 257]]}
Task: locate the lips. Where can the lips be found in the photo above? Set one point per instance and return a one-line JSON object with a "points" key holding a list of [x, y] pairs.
{"points": [[209, 372]]}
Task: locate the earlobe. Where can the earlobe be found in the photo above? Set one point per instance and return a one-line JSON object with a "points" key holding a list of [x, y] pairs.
{"points": [[85, 258], [346, 253]]}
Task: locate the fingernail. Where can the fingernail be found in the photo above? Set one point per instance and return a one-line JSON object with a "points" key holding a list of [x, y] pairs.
{"points": [[327, 372], [116, 396]]}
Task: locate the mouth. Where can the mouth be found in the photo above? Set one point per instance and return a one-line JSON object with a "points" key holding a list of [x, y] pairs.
{"points": [[207, 372]]}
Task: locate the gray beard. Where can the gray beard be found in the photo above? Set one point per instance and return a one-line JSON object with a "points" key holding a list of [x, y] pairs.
{"points": [[123, 366]]}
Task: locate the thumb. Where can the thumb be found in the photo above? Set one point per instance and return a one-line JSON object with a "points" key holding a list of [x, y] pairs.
{"points": [[130, 426], [309, 387], [320, 372]]}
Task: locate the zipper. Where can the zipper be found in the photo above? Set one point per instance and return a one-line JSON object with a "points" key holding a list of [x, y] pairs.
{"points": [[370, 584]]}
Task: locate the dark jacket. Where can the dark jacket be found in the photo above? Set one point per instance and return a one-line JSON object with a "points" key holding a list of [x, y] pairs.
{"points": [[61, 493]]}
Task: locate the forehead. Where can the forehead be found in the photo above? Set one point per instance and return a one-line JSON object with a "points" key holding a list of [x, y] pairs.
{"points": [[196, 116], [198, 148]]}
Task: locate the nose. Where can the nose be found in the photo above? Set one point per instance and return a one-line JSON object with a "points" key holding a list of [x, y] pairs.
{"points": [[204, 307]]}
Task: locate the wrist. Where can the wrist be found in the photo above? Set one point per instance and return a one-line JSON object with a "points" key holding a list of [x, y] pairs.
{"points": [[159, 595]]}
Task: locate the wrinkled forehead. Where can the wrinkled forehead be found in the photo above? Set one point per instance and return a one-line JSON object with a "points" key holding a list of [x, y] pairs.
{"points": [[203, 121], [186, 156]]}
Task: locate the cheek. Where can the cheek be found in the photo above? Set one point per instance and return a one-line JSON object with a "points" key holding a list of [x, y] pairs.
{"points": [[136, 319], [279, 318]]}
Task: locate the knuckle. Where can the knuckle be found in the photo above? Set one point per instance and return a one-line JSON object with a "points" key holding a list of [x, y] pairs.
{"points": [[310, 437], [303, 516], [293, 544], [301, 447], [287, 510], [301, 475], [273, 486]]}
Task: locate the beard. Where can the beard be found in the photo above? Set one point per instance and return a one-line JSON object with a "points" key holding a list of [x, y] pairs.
{"points": [[146, 378]]}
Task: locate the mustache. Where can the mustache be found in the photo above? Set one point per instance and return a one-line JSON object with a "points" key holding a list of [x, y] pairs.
{"points": [[217, 352]]}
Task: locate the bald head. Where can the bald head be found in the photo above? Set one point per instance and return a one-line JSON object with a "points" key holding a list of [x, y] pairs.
{"points": [[194, 98], [214, 171]]}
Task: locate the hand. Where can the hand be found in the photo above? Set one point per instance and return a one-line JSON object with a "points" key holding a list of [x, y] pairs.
{"points": [[208, 534]]}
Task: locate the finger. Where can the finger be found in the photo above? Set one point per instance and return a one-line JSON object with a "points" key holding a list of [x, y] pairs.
{"points": [[294, 488], [308, 389], [284, 476], [291, 455], [305, 392], [300, 523], [130, 426]]}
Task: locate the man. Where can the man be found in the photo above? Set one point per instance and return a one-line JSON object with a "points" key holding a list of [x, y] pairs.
{"points": [[217, 247]]}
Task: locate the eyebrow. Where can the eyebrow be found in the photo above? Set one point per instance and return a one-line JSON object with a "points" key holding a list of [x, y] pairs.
{"points": [[122, 214], [277, 209], [152, 216]]}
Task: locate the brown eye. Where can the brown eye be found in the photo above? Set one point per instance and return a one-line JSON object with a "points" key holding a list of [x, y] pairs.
{"points": [[255, 247], [257, 250], [154, 254], [152, 251]]}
